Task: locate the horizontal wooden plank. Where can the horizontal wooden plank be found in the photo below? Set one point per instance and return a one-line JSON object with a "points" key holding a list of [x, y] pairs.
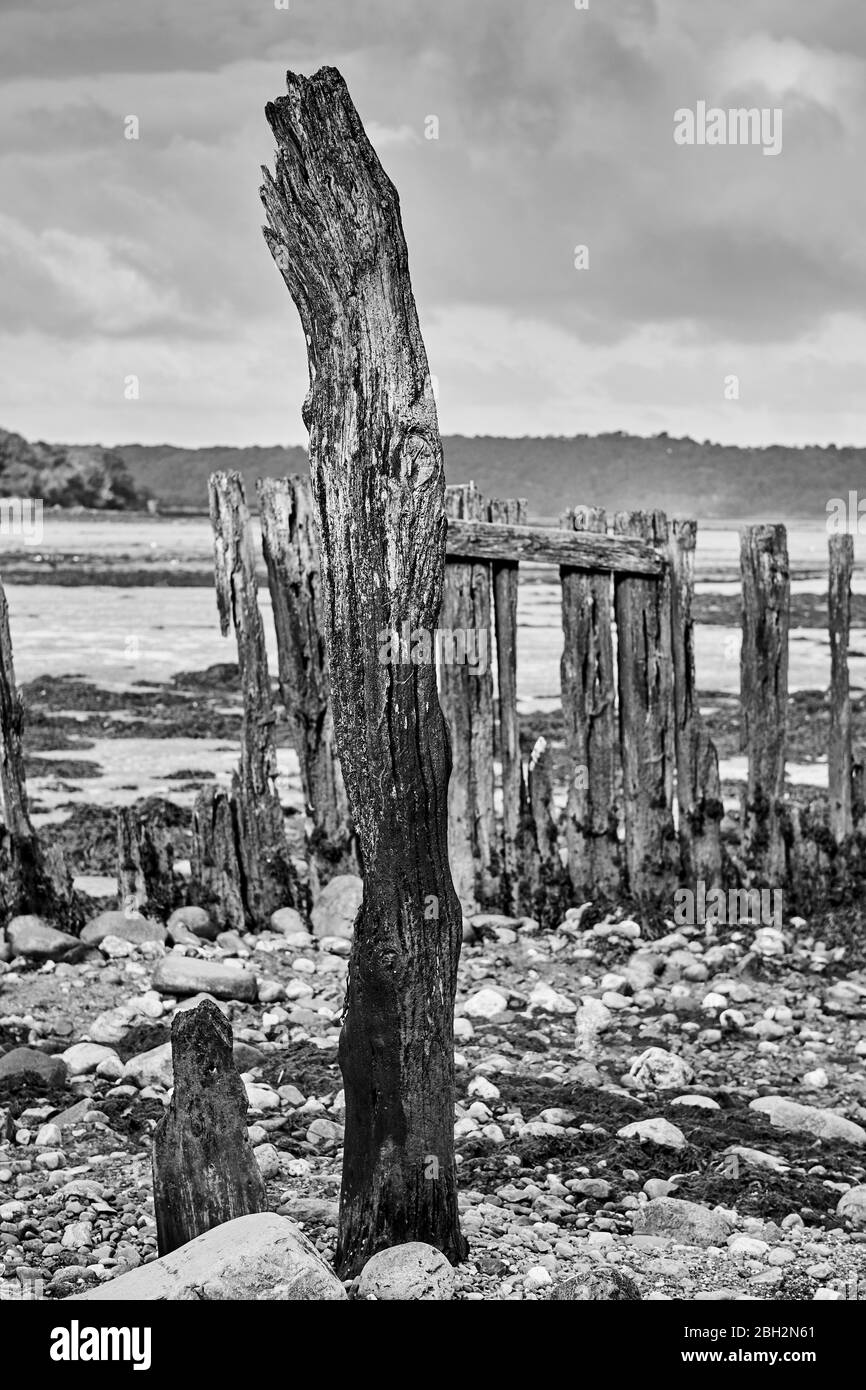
{"points": [[580, 550]]}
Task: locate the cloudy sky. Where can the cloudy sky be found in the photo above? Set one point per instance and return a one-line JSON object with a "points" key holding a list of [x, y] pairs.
{"points": [[145, 257]]}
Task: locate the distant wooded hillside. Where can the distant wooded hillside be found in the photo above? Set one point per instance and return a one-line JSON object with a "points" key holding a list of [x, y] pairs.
{"points": [[67, 475], [680, 476]]}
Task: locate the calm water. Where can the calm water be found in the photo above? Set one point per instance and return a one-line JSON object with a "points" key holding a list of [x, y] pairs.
{"points": [[168, 540], [120, 635], [117, 636]]}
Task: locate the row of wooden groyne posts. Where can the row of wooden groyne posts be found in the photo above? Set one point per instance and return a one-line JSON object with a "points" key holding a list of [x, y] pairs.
{"points": [[643, 810], [643, 803]]}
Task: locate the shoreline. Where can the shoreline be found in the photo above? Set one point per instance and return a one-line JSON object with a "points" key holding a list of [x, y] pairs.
{"points": [[712, 606], [176, 573]]}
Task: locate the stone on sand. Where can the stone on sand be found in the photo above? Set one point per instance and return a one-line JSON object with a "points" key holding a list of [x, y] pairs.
{"points": [[196, 919], [654, 1131], [688, 1223], [794, 1118], [337, 906], [184, 975], [661, 1070], [253, 1258], [29, 1064], [412, 1271], [131, 927], [33, 938], [84, 1057]]}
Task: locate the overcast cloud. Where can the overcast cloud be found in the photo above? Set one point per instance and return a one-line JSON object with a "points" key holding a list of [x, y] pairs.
{"points": [[145, 256]]}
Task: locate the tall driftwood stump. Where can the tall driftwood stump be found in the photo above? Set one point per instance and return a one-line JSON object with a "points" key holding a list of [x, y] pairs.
{"points": [[204, 1170], [378, 485]]}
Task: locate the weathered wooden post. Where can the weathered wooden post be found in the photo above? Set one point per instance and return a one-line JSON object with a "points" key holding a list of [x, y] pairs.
{"points": [[34, 876], [291, 550], [764, 697], [204, 1169], [146, 878], [839, 758], [858, 790], [644, 663], [506, 582], [813, 867], [269, 878], [216, 871], [699, 795], [543, 872], [378, 486], [589, 713], [466, 693]]}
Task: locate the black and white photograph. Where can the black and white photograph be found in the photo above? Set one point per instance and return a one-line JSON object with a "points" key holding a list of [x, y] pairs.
{"points": [[432, 672]]}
